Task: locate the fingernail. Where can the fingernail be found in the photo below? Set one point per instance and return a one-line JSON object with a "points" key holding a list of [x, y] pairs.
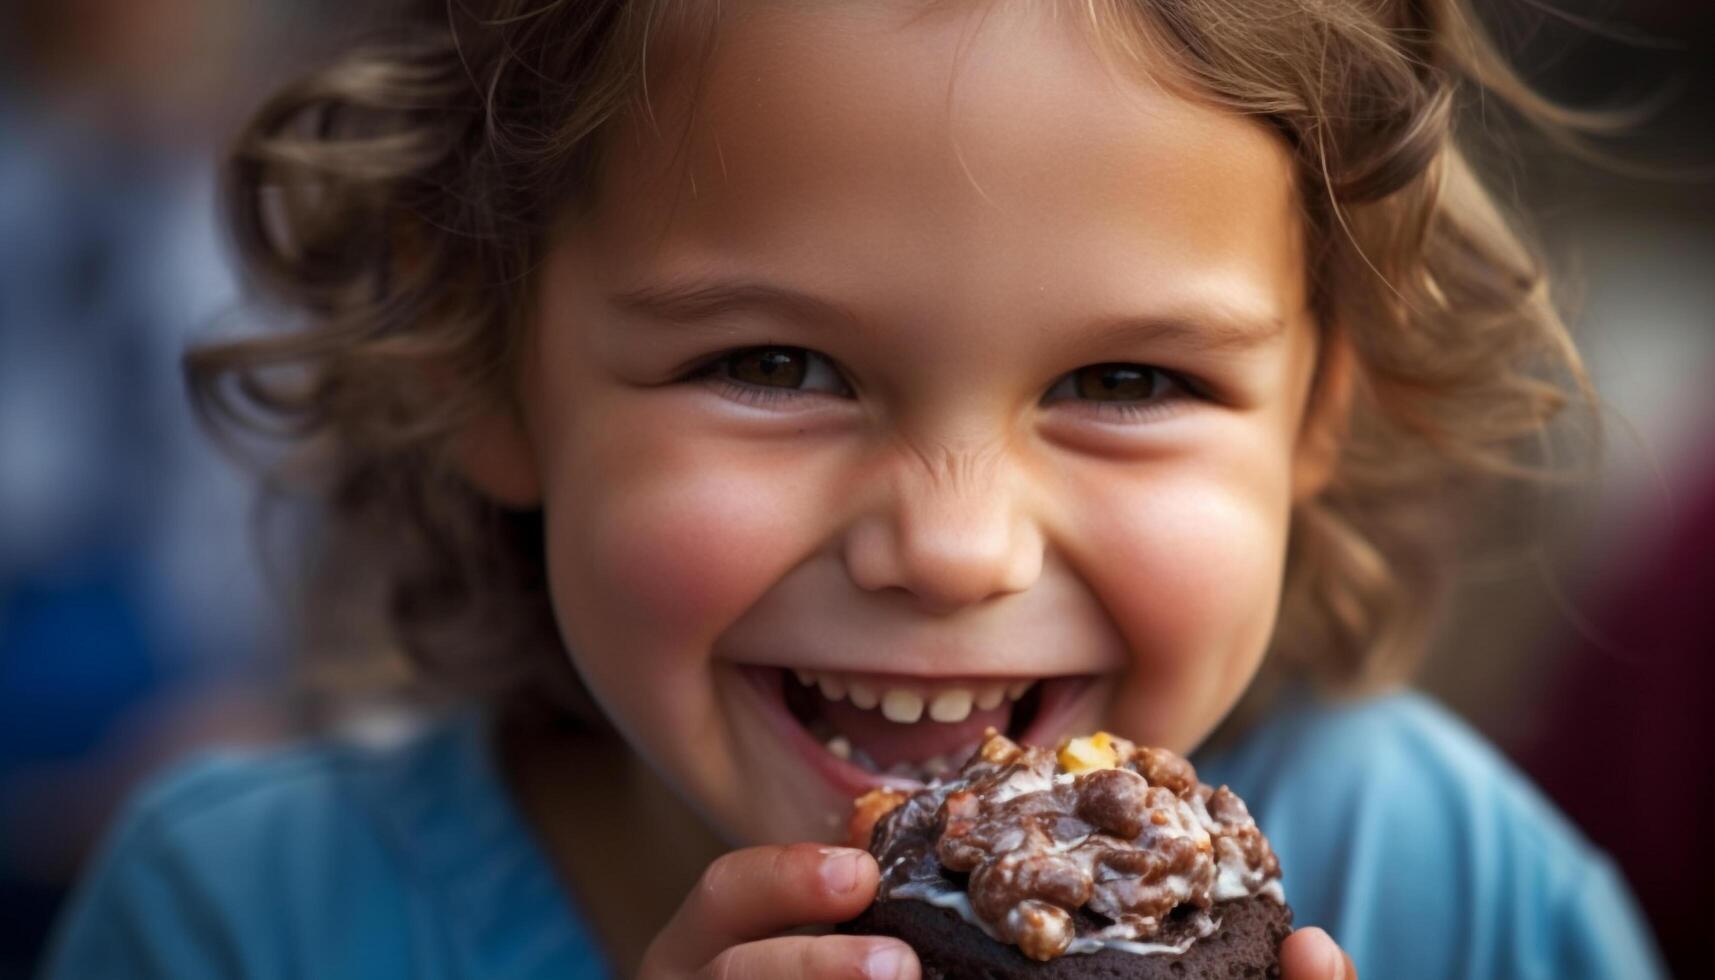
{"points": [[885, 962], [840, 870]]}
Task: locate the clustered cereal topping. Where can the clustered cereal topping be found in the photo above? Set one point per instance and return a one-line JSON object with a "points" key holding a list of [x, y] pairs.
{"points": [[1094, 844]]}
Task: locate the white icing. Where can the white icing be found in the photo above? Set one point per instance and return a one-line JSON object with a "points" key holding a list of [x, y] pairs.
{"points": [[1175, 885], [1229, 882], [946, 898], [1088, 944], [1201, 809], [1021, 781], [958, 901], [1062, 846], [1235, 878], [1205, 926]]}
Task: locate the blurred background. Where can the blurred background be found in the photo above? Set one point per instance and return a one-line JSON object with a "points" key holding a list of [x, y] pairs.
{"points": [[138, 620], [135, 620]]}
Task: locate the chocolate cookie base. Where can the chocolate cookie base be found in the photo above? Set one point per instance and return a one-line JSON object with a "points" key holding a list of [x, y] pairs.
{"points": [[1247, 944]]}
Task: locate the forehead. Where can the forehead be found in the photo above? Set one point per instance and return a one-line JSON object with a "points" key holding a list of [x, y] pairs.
{"points": [[957, 152]]}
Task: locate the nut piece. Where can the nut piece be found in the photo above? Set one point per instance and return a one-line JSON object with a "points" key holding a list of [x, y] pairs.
{"points": [[1113, 801], [997, 749], [1080, 755], [1164, 768], [1041, 931], [958, 817], [867, 811]]}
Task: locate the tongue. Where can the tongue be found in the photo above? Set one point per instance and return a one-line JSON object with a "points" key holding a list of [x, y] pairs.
{"points": [[887, 742]]}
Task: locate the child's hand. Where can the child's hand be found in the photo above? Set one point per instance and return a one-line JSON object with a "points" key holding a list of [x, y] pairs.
{"points": [[730, 923], [1310, 954]]}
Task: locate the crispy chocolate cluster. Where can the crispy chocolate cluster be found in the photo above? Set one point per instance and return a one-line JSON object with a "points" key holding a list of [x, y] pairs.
{"points": [[1032, 836]]}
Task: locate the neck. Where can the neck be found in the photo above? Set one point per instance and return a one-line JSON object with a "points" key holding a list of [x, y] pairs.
{"points": [[621, 842]]}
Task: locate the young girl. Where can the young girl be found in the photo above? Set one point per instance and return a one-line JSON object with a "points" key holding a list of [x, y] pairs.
{"points": [[824, 382]]}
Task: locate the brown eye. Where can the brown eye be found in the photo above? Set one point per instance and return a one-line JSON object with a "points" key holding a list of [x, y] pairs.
{"points": [[1133, 392], [769, 367], [1117, 382], [779, 372]]}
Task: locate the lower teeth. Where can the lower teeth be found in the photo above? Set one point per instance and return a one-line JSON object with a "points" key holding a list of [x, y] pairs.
{"points": [[922, 772], [841, 747]]}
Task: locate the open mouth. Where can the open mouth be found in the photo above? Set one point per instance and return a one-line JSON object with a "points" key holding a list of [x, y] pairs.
{"points": [[865, 730]]}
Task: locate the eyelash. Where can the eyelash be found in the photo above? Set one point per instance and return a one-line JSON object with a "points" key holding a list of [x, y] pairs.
{"points": [[762, 395], [755, 394], [748, 393]]}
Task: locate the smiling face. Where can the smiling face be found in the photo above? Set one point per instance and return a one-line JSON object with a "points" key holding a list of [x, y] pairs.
{"points": [[937, 360]]}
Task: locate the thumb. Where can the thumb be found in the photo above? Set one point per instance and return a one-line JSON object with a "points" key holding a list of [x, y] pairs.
{"points": [[1311, 954]]}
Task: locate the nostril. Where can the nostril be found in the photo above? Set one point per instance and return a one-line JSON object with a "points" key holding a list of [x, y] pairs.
{"points": [[944, 589], [945, 559]]}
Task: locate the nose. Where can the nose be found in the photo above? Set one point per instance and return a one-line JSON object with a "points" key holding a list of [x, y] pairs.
{"points": [[951, 532]]}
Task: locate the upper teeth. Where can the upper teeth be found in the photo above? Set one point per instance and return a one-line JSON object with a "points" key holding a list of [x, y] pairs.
{"points": [[944, 702], [902, 706], [953, 704]]}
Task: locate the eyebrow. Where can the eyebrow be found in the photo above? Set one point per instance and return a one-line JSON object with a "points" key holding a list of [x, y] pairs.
{"points": [[1209, 326], [699, 300]]}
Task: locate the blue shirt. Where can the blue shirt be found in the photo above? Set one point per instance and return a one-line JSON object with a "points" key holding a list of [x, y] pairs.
{"points": [[1401, 833]]}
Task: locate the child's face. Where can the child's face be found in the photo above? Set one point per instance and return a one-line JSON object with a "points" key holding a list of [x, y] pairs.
{"points": [[1019, 357]]}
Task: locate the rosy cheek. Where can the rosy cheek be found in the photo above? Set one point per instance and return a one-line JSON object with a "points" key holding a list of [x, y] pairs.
{"points": [[667, 561], [1224, 560], [1191, 580]]}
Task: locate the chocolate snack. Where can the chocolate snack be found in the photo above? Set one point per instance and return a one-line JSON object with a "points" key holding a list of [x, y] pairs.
{"points": [[1100, 859], [1245, 945]]}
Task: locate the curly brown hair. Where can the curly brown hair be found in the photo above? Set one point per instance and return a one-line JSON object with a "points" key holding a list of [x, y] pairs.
{"points": [[399, 198]]}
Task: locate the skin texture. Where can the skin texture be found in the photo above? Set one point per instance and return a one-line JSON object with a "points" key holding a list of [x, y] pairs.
{"points": [[985, 199]]}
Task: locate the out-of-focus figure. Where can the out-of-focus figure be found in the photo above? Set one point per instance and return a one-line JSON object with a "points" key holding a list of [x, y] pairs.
{"points": [[133, 617], [1626, 740], [1595, 667]]}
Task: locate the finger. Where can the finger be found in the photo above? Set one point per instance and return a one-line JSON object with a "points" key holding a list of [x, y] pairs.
{"points": [[1311, 954], [757, 892], [816, 958]]}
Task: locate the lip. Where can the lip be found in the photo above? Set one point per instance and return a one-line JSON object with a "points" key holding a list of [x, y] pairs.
{"points": [[765, 685]]}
